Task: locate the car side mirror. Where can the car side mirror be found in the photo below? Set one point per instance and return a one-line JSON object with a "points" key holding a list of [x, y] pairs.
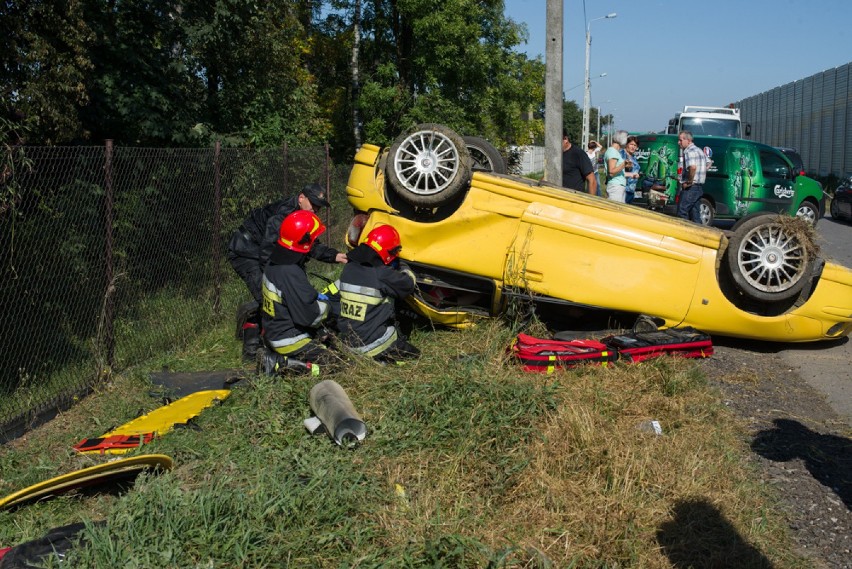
{"points": [[747, 129]]}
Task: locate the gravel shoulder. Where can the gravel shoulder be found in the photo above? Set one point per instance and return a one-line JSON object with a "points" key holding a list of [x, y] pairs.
{"points": [[802, 443]]}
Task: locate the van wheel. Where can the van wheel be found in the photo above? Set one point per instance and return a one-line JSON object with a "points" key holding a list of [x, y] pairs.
{"points": [[428, 165], [768, 260], [706, 212], [485, 158], [809, 212]]}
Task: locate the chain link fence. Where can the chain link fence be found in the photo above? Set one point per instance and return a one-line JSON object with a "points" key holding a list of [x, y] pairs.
{"points": [[111, 255]]}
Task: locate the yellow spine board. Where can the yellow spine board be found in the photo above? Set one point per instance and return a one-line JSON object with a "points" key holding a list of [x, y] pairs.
{"points": [[163, 419]]}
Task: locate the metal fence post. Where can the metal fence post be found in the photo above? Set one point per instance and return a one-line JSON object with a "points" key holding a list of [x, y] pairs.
{"points": [[109, 268], [327, 172], [217, 226], [286, 167]]}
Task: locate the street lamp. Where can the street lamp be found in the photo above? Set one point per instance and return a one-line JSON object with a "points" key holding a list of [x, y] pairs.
{"points": [[599, 124], [608, 101], [587, 94], [611, 125]]}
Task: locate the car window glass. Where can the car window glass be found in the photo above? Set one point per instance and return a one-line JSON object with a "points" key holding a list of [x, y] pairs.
{"points": [[773, 165]]}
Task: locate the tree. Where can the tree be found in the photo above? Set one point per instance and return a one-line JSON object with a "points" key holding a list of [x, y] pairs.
{"points": [[43, 64], [450, 62], [572, 120], [183, 72]]}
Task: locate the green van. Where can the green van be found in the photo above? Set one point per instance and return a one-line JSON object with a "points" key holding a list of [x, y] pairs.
{"points": [[743, 178]]}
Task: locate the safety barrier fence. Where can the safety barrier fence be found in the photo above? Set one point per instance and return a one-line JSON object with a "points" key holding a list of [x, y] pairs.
{"points": [[813, 115], [110, 255]]}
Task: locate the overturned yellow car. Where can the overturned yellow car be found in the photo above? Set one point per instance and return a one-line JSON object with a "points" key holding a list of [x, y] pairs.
{"points": [[477, 239]]}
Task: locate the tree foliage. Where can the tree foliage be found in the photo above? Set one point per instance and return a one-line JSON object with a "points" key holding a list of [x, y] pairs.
{"points": [[184, 72], [450, 62]]}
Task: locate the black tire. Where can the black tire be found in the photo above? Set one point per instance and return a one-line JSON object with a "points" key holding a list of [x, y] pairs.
{"points": [[835, 210], [706, 212], [428, 165], [767, 262], [485, 158], [808, 211]]}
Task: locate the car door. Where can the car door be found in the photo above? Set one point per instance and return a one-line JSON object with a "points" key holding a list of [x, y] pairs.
{"points": [[772, 190], [740, 169]]}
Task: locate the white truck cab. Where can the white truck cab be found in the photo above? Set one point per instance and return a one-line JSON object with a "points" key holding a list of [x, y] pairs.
{"points": [[708, 121]]}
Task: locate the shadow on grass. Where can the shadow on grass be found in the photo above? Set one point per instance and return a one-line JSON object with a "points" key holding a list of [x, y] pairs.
{"points": [[827, 457], [698, 536]]}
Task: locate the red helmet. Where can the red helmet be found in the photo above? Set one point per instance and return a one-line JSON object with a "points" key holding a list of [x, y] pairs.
{"points": [[299, 230], [385, 240]]}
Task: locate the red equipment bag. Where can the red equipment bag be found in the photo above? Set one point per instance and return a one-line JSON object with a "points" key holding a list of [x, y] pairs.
{"points": [[685, 342], [542, 355]]}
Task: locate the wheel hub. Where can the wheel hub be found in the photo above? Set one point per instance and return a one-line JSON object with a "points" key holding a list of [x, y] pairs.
{"points": [[427, 162], [772, 258]]}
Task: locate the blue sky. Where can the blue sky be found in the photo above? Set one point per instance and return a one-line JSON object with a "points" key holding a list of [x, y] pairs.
{"points": [[660, 55]]}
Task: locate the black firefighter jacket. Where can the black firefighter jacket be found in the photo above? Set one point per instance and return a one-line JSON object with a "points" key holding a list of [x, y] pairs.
{"points": [[256, 237], [368, 289], [291, 309]]}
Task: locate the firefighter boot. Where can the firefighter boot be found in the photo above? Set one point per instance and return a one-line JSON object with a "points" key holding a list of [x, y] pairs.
{"points": [[251, 341], [272, 363], [268, 362]]}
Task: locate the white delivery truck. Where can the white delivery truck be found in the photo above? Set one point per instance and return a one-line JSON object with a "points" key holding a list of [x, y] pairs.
{"points": [[709, 121]]}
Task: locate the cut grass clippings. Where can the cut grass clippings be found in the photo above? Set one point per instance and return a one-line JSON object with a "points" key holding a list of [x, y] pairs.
{"points": [[468, 462]]}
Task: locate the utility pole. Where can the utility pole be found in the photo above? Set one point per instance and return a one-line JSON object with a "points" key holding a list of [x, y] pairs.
{"points": [[553, 94], [587, 97]]}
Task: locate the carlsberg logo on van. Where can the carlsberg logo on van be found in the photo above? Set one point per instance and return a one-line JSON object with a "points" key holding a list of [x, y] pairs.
{"points": [[783, 192]]}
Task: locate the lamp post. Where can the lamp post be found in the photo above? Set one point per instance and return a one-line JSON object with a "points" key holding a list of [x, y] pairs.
{"points": [[587, 94], [611, 125], [599, 124], [600, 119]]}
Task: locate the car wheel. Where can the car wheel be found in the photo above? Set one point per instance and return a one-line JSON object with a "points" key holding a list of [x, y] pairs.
{"points": [[706, 212], [485, 158], [428, 165], [835, 210], [809, 212], [768, 260]]}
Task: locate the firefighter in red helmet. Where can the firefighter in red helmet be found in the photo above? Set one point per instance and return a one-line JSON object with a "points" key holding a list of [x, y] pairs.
{"points": [[252, 243], [370, 284], [292, 309]]}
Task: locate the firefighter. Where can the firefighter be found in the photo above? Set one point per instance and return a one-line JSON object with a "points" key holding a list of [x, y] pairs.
{"points": [[369, 285], [292, 309], [250, 247]]}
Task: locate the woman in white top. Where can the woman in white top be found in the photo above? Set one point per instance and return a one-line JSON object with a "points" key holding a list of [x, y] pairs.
{"points": [[615, 167], [592, 152]]}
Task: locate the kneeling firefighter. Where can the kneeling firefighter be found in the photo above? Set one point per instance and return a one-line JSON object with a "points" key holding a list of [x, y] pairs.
{"points": [[250, 247], [292, 309], [370, 283]]}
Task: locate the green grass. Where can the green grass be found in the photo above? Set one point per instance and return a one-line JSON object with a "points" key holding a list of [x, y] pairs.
{"points": [[469, 462]]}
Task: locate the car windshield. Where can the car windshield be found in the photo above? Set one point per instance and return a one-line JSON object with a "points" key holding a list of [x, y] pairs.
{"points": [[711, 127]]}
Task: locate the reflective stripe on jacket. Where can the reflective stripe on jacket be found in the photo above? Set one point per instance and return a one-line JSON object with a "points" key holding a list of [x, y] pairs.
{"points": [[368, 289], [291, 309]]}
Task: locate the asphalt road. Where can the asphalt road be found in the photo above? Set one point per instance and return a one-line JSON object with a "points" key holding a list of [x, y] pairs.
{"points": [[828, 366]]}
